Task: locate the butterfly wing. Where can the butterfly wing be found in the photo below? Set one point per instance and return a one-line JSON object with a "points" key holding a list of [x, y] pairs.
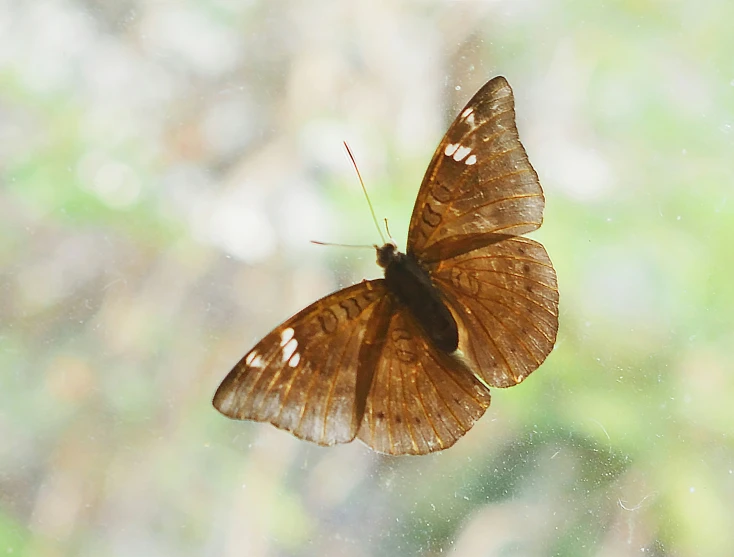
{"points": [[422, 399], [505, 298], [311, 375], [479, 186], [479, 192], [357, 363]]}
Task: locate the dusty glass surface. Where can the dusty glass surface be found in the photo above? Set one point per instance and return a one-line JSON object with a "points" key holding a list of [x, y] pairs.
{"points": [[162, 168]]}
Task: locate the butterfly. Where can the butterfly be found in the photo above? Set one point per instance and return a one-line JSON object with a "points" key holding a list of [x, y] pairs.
{"points": [[404, 363]]}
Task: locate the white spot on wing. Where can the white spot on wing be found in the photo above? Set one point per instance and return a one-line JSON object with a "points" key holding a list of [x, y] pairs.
{"points": [[470, 160], [450, 149], [470, 119], [461, 153], [257, 361], [289, 349], [250, 357], [467, 112], [293, 362], [286, 335]]}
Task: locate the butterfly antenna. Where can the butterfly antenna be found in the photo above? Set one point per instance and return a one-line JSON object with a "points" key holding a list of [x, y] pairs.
{"points": [[341, 245], [387, 229], [364, 189]]}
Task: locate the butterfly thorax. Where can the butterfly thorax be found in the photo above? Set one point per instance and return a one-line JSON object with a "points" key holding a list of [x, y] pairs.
{"points": [[411, 286]]}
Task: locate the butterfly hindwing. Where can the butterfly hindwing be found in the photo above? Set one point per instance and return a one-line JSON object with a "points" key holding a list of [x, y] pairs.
{"points": [[479, 183], [505, 298], [422, 399], [310, 375]]}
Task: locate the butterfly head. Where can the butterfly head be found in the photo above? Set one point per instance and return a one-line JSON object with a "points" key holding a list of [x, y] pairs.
{"points": [[386, 254]]}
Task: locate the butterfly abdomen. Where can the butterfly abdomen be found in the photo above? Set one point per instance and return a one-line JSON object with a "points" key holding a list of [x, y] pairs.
{"points": [[412, 286]]}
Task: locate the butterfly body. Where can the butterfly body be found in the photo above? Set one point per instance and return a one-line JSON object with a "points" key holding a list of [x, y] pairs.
{"points": [[411, 285], [404, 363]]}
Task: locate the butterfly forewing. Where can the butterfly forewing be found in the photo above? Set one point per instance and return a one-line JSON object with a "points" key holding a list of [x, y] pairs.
{"points": [[311, 375], [479, 183], [505, 296], [422, 399]]}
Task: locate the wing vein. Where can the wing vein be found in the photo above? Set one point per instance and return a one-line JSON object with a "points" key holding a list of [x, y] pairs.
{"points": [[467, 171], [406, 412], [312, 380], [532, 324], [513, 334], [491, 338], [519, 294], [503, 256], [474, 131], [389, 429], [330, 395], [498, 200], [516, 293], [461, 387], [440, 417], [438, 395], [514, 225], [289, 387], [426, 414], [273, 379]]}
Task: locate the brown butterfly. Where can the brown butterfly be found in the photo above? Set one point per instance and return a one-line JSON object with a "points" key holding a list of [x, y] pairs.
{"points": [[404, 363]]}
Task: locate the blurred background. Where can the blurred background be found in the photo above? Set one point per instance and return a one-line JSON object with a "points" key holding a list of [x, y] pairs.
{"points": [[163, 166]]}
